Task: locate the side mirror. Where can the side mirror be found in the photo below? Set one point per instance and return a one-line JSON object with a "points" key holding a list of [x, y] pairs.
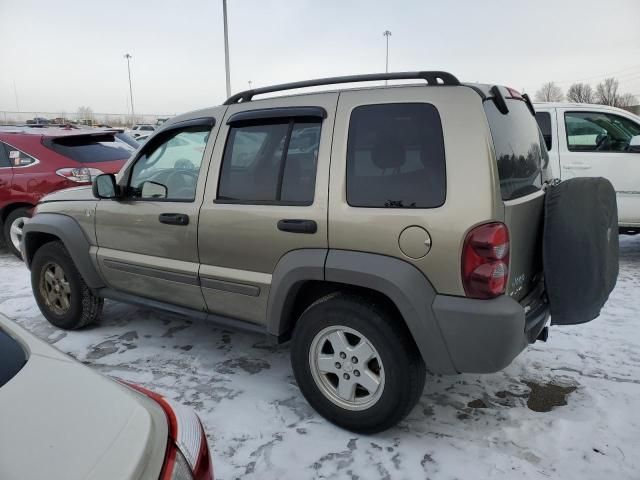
{"points": [[104, 186], [153, 190], [634, 144]]}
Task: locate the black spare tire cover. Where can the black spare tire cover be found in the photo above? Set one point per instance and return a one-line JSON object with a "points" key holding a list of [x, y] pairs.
{"points": [[580, 248]]}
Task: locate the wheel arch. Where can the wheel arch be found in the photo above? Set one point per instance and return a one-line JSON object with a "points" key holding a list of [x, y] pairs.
{"points": [[303, 276], [46, 227]]}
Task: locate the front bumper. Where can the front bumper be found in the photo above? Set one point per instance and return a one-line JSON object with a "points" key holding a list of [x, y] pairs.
{"points": [[484, 336]]}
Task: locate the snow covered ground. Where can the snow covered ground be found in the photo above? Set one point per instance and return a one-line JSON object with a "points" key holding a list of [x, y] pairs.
{"points": [[465, 427]]}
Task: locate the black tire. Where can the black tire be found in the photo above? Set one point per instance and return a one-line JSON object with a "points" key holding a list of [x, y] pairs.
{"points": [[404, 370], [84, 307], [6, 228]]}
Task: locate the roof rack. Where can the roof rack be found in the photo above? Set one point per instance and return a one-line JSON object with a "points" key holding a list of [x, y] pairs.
{"points": [[432, 78]]}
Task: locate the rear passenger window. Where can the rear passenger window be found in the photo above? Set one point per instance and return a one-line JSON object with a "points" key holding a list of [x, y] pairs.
{"points": [[272, 163], [395, 156], [15, 157], [544, 122]]}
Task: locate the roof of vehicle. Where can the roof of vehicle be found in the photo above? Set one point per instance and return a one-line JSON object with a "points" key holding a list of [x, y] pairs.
{"points": [[53, 132], [589, 106]]}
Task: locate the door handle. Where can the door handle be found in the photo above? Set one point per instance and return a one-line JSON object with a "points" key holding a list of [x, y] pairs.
{"points": [[576, 166], [174, 218], [297, 226]]}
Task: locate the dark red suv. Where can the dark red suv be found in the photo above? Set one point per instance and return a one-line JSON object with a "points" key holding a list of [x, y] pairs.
{"points": [[38, 161]]}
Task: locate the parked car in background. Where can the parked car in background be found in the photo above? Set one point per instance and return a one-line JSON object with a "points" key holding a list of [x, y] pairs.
{"points": [[596, 141], [385, 231], [61, 420], [38, 161], [141, 129]]}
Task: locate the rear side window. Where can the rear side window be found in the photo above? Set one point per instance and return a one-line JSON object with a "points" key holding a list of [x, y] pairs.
{"points": [[11, 156], [90, 148], [520, 149], [271, 163], [395, 156], [544, 122]]}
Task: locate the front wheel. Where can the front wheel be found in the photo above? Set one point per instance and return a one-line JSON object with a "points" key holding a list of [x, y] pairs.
{"points": [[356, 364], [64, 298], [13, 225]]}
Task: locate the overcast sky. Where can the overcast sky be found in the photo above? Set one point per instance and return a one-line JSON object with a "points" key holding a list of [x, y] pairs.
{"points": [[62, 54]]}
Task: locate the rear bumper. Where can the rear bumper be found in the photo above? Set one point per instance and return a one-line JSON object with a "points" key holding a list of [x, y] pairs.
{"points": [[484, 336]]}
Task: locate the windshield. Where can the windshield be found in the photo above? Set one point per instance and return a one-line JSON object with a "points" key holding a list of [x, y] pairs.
{"points": [[12, 358]]}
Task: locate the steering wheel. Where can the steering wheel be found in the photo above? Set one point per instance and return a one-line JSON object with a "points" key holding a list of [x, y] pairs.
{"points": [[600, 140]]}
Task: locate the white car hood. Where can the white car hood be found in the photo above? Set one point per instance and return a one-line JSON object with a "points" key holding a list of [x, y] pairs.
{"points": [[61, 420]]}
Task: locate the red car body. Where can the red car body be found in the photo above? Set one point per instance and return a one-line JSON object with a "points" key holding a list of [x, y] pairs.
{"points": [[38, 161]]}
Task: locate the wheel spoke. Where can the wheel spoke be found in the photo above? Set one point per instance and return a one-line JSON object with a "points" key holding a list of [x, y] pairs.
{"points": [[326, 364], [64, 302], [339, 341], [369, 381], [49, 277], [363, 351], [66, 289], [59, 273], [346, 390], [16, 230]]}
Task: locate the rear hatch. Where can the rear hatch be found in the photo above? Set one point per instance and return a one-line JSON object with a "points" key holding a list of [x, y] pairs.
{"points": [[102, 150], [522, 161]]}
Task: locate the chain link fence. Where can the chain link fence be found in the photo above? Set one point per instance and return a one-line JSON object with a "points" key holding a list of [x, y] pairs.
{"points": [[90, 119]]}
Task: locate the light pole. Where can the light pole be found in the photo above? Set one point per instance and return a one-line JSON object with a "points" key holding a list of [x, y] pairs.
{"points": [[250, 84], [387, 34], [128, 57], [226, 47]]}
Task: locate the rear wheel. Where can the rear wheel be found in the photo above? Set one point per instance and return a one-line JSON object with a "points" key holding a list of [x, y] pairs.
{"points": [[13, 225], [64, 298], [356, 364]]}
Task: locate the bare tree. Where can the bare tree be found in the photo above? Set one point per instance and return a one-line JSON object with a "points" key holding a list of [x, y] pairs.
{"points": [[549, 92], [607, 92], [626, 100], [581, 93]]}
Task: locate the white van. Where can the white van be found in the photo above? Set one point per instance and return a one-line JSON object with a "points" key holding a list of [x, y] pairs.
{"points": [[596, 141]]}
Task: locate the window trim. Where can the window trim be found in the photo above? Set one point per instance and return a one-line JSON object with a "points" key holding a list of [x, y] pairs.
{"points": [[157, 139], [291, 121], [566, 130], [444, 151], [276, 114]]}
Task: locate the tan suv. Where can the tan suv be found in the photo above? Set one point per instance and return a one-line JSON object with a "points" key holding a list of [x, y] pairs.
{"points": [[386, 231]]}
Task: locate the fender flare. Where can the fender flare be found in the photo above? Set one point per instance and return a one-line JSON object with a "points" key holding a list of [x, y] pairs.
{"points": [[409, 290], [71, 235]]}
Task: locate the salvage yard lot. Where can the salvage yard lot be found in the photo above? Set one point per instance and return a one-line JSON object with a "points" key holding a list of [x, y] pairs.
{"points": [[467, 426]]}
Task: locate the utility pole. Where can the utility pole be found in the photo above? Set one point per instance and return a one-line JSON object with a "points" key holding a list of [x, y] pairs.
{"points": [[15, 93], [129, 57], [387, 34], [226, 47]]}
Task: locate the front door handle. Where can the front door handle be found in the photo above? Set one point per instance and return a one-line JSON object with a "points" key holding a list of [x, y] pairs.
{"points": [[174, 218], [297, 226]]}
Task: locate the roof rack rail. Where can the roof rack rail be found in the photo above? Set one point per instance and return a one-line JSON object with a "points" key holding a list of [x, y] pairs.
{"points": [[432, 78]]}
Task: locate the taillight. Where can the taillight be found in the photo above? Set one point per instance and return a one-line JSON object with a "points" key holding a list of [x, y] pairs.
{"points": [[485, 261], [187, 456], [79, 175]]}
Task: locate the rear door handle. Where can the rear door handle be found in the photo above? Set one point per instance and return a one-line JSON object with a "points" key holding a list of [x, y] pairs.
{"points": [[297, 226], [174, 218], [577, 166]]}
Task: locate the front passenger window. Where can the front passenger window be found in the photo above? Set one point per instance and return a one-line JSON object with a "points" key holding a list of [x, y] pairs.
{"points": [[169, 168], [599, 132]]}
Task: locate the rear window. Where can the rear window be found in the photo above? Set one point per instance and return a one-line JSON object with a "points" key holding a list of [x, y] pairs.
{"points": [[520, 149], [12, 358], [90, 148], [395, 156]]}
